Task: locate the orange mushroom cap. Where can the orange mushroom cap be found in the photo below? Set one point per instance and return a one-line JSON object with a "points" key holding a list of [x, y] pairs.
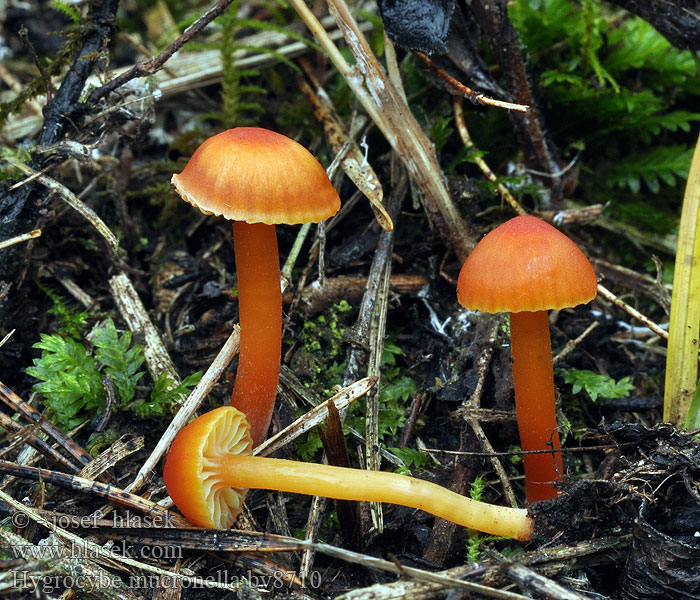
{"points": [[256, 175], [192, 478], [525, 264]]}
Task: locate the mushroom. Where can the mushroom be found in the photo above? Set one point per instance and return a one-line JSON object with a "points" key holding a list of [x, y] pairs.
{"points": [[209, 466], [526, 267], [257, 178]]}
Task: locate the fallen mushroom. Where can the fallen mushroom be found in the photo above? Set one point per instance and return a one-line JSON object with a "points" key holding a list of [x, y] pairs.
{"points": [[257, 178], [526, 267], [209, 467]]}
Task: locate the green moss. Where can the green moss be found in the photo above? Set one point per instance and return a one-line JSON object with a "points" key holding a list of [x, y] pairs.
{"points": [[320, 361]]}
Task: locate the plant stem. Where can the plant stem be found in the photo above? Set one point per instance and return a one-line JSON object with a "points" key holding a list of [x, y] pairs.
{"points": [[533, 380], [682, 359]]}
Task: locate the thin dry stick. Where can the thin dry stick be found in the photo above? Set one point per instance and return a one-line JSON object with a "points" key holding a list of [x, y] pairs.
{"points": [[480, 162], [36, 442], [359, 344], [392, 115], [315, 416], [286, 270], [136, 317], [314, 253], [31, 414], [74, 289], [380, 271], [151, 66], [72, 200], [608, 295], [313, 524], [10, 333], [392, 67], [467, 92], [48, 84], [18, 239], [571, 344], [108, 492], [473, 403], [196, 397], [376, 345]]}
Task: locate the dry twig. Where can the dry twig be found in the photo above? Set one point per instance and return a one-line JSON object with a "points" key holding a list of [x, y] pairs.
{"points": [[136, 317], [473, 402], [25, 434], [31, 414], [18, 239], [467, 92], [189, 406], [391, 114], [72, 200]]}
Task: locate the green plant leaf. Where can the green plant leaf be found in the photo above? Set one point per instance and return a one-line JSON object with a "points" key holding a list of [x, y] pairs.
{"points": [[165, 395], [595, 384], [119, 360], [413, 460]]}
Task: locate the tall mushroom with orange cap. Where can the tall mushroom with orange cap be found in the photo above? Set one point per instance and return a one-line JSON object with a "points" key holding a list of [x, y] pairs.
{"points": [[257, 178], [209, 467], [526, 267]]}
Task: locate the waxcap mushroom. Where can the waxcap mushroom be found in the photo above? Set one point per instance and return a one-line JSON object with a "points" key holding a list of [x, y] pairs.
{"points": [[209, 462], [257, 178], [525, 264], [526, 267], [256, 175]]}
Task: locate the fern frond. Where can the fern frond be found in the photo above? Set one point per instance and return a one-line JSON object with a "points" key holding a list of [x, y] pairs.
{"points": [[553, 77], [637, 45], [664, 164]]}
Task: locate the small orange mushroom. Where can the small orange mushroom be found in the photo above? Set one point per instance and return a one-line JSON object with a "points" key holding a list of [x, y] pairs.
{"points": [[257, 178], [526, 267], [209, 467]]}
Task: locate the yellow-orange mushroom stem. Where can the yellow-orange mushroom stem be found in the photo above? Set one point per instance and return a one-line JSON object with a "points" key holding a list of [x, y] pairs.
{"points": [[209, 466]]}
